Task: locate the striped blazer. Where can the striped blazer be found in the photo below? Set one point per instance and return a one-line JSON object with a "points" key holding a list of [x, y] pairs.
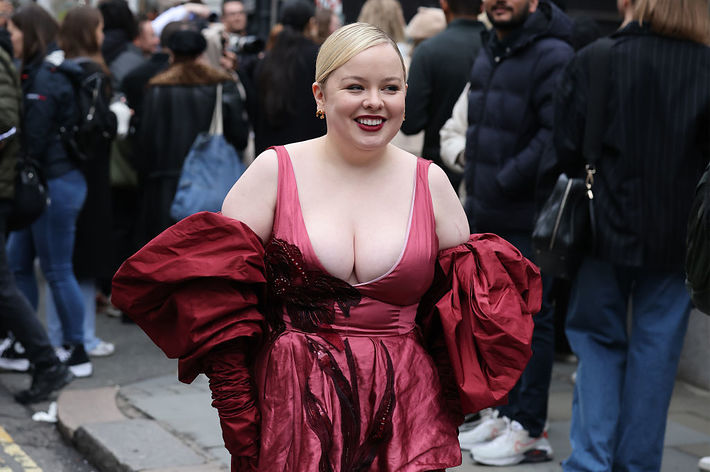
{"points": [[656, 144]]}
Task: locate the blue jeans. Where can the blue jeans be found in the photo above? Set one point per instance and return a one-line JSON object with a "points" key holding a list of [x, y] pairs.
{"points": [[16, 314], [54, 325], [527, 401], [51, 238], [626, 367]]}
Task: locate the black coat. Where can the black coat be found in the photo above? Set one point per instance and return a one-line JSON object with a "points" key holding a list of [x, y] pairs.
{"points": [[177, 106], [510, 119], [656, 144], [92, 247], [440, 68]]}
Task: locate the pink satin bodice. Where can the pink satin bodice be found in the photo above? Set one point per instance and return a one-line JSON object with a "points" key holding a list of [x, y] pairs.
{"points": [[389, 302]]}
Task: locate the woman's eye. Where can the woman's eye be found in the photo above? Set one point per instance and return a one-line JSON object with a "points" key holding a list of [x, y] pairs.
{"points": [[354, 87], [392, 88]]}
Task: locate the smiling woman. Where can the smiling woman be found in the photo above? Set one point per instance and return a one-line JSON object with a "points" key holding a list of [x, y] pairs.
{"points": [[358, 240]]}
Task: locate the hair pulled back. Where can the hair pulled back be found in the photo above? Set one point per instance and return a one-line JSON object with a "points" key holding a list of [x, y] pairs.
{"points": [[347, 42]]}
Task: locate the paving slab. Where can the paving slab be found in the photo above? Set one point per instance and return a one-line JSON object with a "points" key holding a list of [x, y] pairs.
{"points": [[80, 407], [678, 461], [134, 445]]}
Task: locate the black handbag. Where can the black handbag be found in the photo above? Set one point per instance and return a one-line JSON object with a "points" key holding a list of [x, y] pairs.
{"points": [[697, 257], [565, 229], [31, 195]]}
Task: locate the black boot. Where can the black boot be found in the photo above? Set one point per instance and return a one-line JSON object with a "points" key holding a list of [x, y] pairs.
{"points": [[45, 381]]}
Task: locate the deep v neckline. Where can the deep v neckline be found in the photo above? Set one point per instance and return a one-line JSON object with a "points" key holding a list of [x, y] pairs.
{"points": [[314, 255]]}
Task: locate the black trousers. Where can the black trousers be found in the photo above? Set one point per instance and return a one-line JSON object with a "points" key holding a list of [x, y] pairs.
{"points": [[16, 313]]}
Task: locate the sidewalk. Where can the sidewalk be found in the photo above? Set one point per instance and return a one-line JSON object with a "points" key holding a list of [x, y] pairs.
{"points": [[160, 425]]}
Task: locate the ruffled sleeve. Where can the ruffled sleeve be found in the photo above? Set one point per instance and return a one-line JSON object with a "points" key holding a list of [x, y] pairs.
{"points": [[194, 290], [477, 320]]}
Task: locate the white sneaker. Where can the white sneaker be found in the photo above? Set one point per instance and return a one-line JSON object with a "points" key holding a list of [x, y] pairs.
{"points": [[704, 464], [513, 447], [102, 349], [12, 356], [489, 427]]}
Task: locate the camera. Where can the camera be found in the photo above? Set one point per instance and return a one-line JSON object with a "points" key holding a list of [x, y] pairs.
{"points": [[244, 44]]}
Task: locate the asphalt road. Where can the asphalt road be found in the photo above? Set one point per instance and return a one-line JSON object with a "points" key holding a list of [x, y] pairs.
{"points": [[30, 446], [136, 359]]}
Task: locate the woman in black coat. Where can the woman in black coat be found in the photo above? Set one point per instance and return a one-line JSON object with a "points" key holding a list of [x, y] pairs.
{"points": [[286, 111], [177, 106], [656, 142]]}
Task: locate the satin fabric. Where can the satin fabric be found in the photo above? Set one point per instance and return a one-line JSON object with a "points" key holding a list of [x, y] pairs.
{"points": [[424, 434], [196, 288]]}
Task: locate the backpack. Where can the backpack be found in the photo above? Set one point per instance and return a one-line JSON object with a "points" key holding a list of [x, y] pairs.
{"points": [[697, 259], [96, 126]]}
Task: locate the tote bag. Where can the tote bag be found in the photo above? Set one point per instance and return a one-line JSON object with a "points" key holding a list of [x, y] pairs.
{"points": [[210, 169]]}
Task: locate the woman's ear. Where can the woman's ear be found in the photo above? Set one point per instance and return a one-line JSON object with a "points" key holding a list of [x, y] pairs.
{"points": [[319, 94]]}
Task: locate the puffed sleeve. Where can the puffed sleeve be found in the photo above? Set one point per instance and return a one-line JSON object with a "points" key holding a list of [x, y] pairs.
{"points": [[194, 289], [477, 320]]}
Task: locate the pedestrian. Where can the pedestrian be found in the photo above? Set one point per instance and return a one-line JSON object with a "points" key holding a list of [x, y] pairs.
{"points": [[120, 31], [629, 307], [283, 78], [177, 105], [438, 72], [513, 80], [16, 314], [49, 104], [388, 16], [327, 22], [335, 240], [80, 37]]}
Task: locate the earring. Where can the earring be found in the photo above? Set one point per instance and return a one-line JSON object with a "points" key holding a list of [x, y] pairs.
{"points": [[404, 116], [320, 114]]}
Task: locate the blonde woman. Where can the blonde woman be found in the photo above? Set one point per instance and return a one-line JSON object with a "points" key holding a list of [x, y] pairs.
{"points": [[310, 302], [388, 16]]}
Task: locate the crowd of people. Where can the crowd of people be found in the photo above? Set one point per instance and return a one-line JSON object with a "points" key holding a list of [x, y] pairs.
{"points": [[354, 239]]}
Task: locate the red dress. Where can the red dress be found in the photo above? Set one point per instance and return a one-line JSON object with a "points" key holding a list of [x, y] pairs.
{"points": [[310, 373], [327, 407]]}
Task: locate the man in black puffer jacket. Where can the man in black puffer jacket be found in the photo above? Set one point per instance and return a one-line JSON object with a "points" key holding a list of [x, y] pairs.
{"points": [[510, 126]]}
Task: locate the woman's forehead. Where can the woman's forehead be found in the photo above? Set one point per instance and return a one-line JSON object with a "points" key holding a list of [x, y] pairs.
{"points": [[377, 61]]}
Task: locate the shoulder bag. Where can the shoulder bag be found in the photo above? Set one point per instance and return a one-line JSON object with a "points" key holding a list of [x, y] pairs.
{"points": [[210, 169], [31, 194], [697, 258], [565, 229]]}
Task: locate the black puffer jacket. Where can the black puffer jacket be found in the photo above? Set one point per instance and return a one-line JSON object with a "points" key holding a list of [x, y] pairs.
{"points": [[49, 102], [510, 119], [177, 106]]}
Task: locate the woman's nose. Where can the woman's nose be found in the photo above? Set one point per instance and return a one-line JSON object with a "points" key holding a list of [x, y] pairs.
{"points": [[373, 100]]}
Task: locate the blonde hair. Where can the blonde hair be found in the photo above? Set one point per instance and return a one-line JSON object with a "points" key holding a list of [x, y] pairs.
{"points": [[347, 42], [386, 15], [682, 19]]}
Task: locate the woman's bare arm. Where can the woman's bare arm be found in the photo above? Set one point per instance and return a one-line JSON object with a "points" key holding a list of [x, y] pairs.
{"points": [[252, 199], [451, 222]]}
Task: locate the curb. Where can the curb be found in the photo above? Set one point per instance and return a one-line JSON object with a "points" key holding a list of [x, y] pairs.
{"points": [[113, 442]]}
